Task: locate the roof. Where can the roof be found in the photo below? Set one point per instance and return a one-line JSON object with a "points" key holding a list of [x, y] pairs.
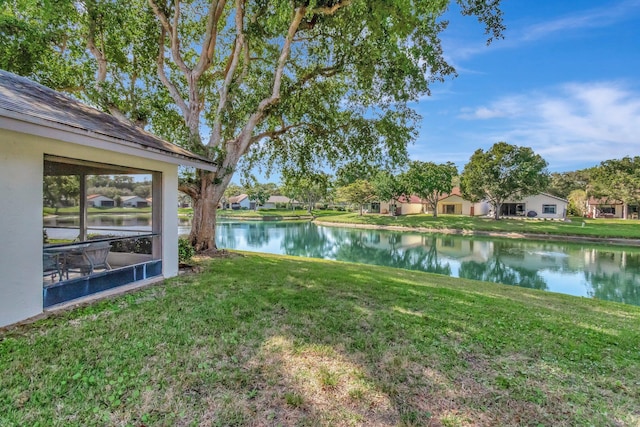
{"points": [[412, 199], [279, 199], [95, 196], [455, 191], [125, 198], [603, 201], [28, 101], [238, 198]]}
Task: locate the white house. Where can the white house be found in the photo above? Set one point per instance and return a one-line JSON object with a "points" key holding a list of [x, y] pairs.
{"points": [[44, 133], [100, 201], [134, 202], [274, 201], [240, 202], [541, 205]]}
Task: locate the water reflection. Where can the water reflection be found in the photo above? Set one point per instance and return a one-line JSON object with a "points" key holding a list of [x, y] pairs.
{"points": [[584, 270], [120, 220]]}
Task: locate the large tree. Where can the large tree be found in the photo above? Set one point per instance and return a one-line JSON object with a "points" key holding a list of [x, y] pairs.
{"points": [[618, 180], [284, 82], [504, 172], [430, 181], [357, 193], [390, 187], [308, 187]]}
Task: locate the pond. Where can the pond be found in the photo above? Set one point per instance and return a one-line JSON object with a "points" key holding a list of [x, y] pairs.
{"points": [[595, 271]]}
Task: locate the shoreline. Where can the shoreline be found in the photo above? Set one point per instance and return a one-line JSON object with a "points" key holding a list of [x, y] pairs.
{"points": [[509, 235]]}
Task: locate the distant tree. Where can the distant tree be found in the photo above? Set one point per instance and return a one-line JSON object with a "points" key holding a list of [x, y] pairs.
{"points": [[577, 203], [389, 187], [258, 193], [563, 183], [503, 172], [123, 181], [58, 191], [357, 193], [430, 181], [619, 180], [310, 187], [142, 190], [355, 170]]}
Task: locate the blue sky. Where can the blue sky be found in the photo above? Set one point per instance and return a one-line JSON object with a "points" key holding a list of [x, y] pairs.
{"points": [[564, 81]]}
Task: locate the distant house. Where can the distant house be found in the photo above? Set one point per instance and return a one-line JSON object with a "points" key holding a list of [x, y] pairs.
{"points": [[275, 201], [100, 201], [541, 205], [408, 206], [134, 202], [240, 202], [608, 208], [454, 204]]}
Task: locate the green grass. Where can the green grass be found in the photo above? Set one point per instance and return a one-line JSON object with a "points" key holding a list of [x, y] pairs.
{"points": [[75, 210], [275, 213], [612, 228], [270, 340]]}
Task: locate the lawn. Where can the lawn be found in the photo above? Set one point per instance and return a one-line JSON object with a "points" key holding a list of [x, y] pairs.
{"points": [[263, 340], [275, 213], [612, 228]]}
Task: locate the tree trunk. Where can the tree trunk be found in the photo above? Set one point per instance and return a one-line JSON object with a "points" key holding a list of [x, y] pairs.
{"points": [[205, 205], [496, 211]]}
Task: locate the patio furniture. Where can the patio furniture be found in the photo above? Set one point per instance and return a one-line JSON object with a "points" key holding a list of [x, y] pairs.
{"points": [[51, 266], [88, 259]]}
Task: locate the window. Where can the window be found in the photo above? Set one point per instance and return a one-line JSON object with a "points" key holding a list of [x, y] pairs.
{"points": [[548, 209]]}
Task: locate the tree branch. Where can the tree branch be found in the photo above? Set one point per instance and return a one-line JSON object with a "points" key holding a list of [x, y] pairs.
{"points": [[173, 90], [172, 30], [232, 65], [331, 10], [276, 132], [211, 37]]}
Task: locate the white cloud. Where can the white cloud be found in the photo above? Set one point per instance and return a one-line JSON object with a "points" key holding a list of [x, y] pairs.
{"points": [[575, 122], [591, 18]]}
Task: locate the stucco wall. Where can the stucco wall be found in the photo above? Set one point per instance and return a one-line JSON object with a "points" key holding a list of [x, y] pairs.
{"points": [[21, 230], [410, 208], [534, 203], [21, 174], [481, 208]]}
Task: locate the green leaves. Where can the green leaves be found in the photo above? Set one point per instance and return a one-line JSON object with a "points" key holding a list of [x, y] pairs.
{"points": [[503, 172], [429, 181], [618, 179]]}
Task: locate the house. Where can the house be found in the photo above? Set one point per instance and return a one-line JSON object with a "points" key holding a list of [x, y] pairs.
{"points": [[409, 205], [541, 205], [278, 201], [240, 201], [453, 203], [100, 201], [609, 208], [403, 206], [133, 202], [45, 133]]}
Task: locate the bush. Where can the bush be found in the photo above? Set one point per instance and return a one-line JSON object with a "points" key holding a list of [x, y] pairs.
{"points": [[185, 250]]}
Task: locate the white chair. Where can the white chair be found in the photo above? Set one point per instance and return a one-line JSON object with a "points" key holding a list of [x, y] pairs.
{"points": [[90, 258]]}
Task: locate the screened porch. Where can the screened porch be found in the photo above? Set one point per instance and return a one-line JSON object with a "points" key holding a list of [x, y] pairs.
{"points": [[92, 239]]}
